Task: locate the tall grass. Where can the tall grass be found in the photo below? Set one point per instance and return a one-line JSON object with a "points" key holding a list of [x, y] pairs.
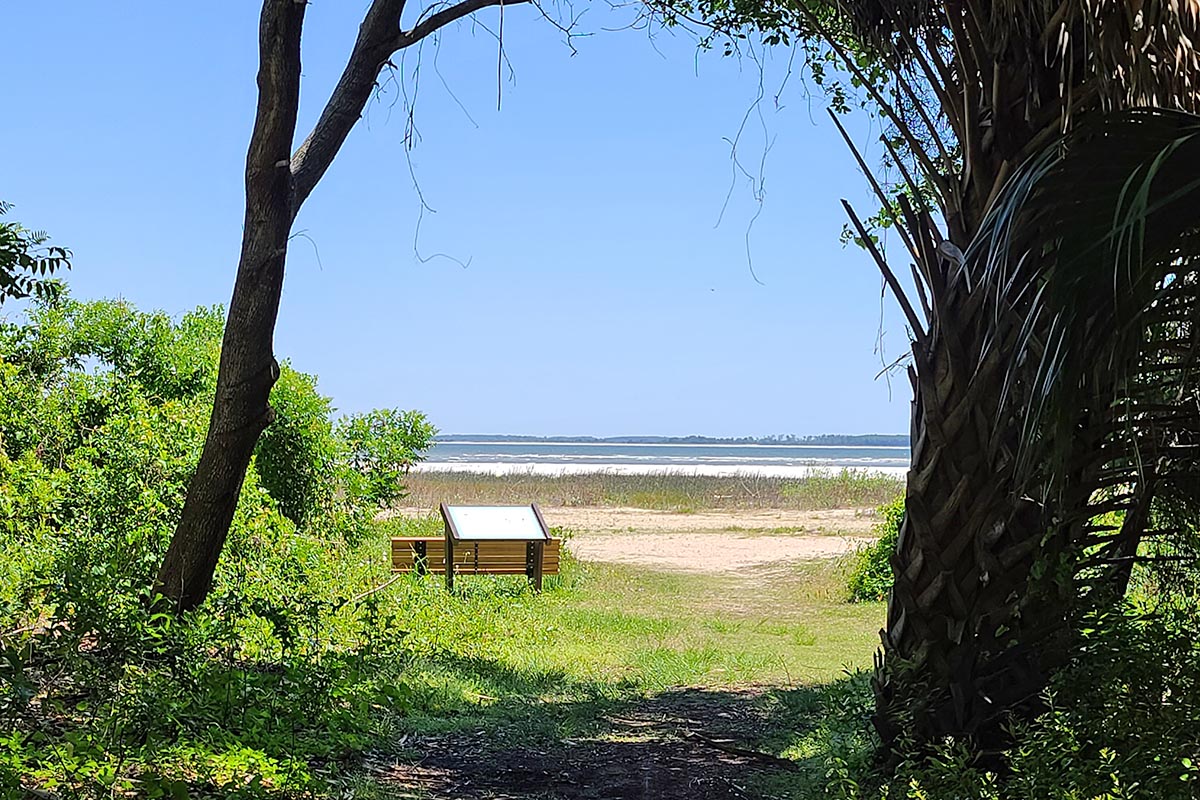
{"points": [[661, 491]]}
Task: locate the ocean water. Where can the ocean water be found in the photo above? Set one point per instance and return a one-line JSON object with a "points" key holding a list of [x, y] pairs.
{"points": [[553, 458]]}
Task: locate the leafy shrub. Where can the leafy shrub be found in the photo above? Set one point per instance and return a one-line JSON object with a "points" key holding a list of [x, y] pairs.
{"points": [[1126, 714], [1122, 722], [297, 454], [382, 446], [871, 578], [103, 411], [26, 261]]}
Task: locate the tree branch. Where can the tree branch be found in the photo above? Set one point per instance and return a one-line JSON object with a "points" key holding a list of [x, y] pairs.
{"points": [[372, 49], [444, 17], [379, 37], [914, 321]]}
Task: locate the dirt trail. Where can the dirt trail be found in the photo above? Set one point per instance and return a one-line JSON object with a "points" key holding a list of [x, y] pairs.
{"points": [[687, 744]]}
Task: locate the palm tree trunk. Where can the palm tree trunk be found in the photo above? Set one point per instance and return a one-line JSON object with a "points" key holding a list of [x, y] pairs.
{"points": [[961, 645]]}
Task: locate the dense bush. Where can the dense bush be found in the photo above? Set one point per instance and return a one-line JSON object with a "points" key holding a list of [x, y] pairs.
{"points": [[297, 455], [1121, 723], [871, 578], [103, 411], [382, 446]]}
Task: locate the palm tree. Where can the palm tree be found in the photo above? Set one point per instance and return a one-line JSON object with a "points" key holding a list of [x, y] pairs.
{"points": [[1014, 455], [997, 513], [987, 556], [1084, 291]]}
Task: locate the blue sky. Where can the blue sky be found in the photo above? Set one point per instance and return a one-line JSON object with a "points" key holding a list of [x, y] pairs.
{"points": [[600, 295]]}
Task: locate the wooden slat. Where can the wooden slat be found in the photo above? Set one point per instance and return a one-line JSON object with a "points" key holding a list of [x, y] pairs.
{"points": [[493, 558]]}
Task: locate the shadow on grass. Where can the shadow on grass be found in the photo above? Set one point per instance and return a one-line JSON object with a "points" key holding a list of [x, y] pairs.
{"points": [[543, 737]]}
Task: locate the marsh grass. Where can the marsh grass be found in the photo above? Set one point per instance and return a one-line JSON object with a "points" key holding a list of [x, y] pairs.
{"points": [[677, 492]]}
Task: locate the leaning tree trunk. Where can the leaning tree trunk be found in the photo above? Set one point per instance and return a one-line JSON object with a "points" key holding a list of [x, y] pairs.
{"points": [[248, 368], [277, 183]]}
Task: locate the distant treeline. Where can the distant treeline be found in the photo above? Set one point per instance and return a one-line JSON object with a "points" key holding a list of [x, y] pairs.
{"points": [[828, 439]]}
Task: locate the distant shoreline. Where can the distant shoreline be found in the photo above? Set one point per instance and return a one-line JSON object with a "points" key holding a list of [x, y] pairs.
{"points": [[823, 440], [707, 470], [679, 443]]}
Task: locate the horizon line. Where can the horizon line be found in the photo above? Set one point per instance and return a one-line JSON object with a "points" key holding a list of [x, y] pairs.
{"points": [[559, 436]]}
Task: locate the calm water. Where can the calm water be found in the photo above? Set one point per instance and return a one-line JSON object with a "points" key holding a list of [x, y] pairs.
{"points": [[560, 457]]}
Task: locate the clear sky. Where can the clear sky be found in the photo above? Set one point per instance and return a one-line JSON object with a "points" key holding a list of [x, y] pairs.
{"points": [[600, 295]]}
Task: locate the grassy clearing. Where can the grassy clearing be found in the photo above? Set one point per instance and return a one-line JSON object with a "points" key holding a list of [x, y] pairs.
{"points": [[663, 492], [641, 630], [283, 699], [529, 671]]}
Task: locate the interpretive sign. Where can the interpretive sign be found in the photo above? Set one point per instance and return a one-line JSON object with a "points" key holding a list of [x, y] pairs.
{"points": [[515, 523], [495, 539]]}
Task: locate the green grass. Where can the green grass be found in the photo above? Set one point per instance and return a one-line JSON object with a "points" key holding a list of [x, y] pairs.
{"points": [[528, 670], [663, 492], [779, 530], [225, 707], [608, 631]]}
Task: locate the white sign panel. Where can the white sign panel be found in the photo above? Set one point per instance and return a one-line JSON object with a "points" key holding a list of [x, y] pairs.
{"points": [[472, 523]]}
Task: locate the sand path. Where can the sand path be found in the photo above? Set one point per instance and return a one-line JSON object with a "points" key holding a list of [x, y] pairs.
{"points": [[713, 541], [707, 552]]}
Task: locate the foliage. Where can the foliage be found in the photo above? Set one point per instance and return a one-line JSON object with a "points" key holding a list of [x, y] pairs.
{"points": [[382, 446], [295, 666], [297, 455], [871, 579], [103, 410], [1122, 722], [27, 261]]}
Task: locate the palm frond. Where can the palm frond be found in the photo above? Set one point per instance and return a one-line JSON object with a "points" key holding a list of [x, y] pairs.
{"points": [[1095, 248], [1094, 240]]}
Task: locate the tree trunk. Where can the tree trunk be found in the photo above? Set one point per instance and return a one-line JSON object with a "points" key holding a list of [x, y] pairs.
{"points": [[969, 637], [248, 368], [277, 183]]}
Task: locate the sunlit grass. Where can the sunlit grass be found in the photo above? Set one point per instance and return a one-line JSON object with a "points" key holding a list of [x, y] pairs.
{"points": [[609, 631]]}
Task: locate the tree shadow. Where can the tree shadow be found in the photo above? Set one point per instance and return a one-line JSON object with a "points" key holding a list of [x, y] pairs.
{"points": [[693, 743]]}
